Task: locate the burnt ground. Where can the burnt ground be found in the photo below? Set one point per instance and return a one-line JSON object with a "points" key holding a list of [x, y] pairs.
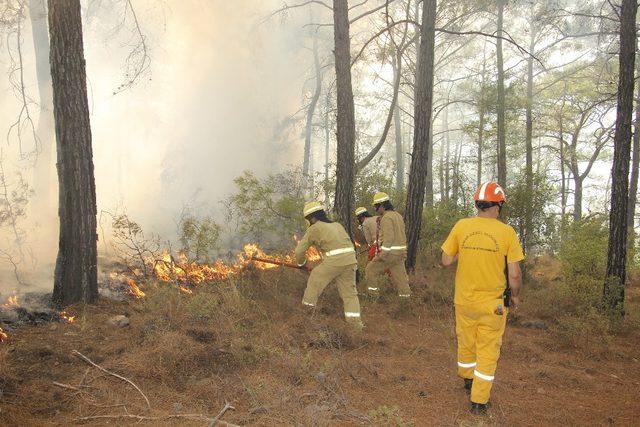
{"points": [[246, 341]]}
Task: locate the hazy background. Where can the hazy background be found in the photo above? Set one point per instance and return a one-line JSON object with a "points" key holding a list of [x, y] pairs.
{"points": [[219, 84]]}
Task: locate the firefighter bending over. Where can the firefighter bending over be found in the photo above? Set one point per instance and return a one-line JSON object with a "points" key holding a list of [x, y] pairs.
{"points": [[370, 226], [338, 261], [485, 248]]}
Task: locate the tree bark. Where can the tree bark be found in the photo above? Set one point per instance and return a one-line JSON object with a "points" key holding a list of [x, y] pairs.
{"points": [[613, 290], [387, 124], [502, 150], [481, 115], [455, 193], [422, 118], [327, 142], [447, 153], [529, 137], [429, 185], [346, 128], [635, 163], [46, 128], [563, 187], [397, 125], [577, 196], [75, 276], [310, 112]]}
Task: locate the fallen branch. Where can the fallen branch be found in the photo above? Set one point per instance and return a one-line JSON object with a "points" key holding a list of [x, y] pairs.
{"points": [[70, 387], [226, 408], [89, 361], [159, 418]]}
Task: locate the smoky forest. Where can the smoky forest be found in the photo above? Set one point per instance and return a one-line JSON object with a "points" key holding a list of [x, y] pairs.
{"points": [[319, 212]]}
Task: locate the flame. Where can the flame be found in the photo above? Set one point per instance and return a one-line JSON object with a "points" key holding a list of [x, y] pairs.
{"points": [[11, 302], [179, 269], [185, 290], [185, 274], [3, 336], [134, 289], [68, 319]]}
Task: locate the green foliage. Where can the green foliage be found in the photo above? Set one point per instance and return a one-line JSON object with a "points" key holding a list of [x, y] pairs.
{"points": [[268, 210], [573, 302], [132, 246], [521, 203], [437, 222], [199, 237], [583, 253], [377, 177], [590, 330]]}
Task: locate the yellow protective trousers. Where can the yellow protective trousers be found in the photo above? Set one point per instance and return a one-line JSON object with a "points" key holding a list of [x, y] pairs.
{"points": [[345, 279], [479, 330], [375, 272]]}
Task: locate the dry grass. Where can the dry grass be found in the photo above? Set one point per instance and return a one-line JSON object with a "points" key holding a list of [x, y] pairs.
{"points": [[248, 341]]}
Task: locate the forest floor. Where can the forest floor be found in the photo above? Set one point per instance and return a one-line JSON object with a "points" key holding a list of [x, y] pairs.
{"points": [[247, 342]]}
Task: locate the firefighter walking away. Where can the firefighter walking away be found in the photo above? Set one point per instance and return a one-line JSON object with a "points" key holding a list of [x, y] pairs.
{"points": [[483, 246]]}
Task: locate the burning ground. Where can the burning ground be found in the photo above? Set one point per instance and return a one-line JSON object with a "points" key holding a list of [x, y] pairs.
{"points": [[239, 336]]}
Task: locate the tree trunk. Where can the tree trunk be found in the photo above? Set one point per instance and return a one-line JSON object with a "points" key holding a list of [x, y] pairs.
{"points": [[327, 142], [443, 196], [429, 185], [635, 163], [310, 112], [46, 129], [481, 114], [563, 186], [397, 125], [455, 177], [613, 291], [346, 134], [447, 154], [577, 196], [387, 125], [529, 137], [422, 118], [75, 273], [502, 150]]}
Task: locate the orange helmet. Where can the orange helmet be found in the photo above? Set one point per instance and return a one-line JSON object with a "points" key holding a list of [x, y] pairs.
{"points": [[490, 192]]}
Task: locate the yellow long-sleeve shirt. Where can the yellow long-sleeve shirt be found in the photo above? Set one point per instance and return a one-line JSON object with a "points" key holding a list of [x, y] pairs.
{"points": [[331, 240], [392, 235]]}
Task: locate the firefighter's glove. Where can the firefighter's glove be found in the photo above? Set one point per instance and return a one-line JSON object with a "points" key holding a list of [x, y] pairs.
{"points": [[310, 265]]}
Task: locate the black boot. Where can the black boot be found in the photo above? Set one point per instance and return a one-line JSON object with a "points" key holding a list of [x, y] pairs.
{"points": [[479, 408], [468, 383]]}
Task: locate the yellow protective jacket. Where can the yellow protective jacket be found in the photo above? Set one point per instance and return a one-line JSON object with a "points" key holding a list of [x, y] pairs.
{"points": [[370, 229], [392, 235], [331, 240]]}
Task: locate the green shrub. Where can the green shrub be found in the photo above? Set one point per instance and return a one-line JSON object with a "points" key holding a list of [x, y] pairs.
{"points": [[522, 202], [437, 222], [583, 257], [198, 237], [267, 210], [584, 249], [588, 330]]}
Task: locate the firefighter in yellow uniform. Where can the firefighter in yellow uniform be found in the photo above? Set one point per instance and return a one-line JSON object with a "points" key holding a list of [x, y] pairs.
{"points": [[488, 280], [393, 249], [338, 261], [369, 226]]}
